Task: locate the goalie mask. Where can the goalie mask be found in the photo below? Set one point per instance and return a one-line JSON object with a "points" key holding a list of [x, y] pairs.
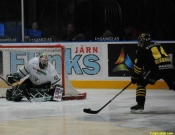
{"points": [[144, 39], [43, 60]]}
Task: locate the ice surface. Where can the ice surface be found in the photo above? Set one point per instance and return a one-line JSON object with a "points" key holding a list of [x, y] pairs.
{"points": [[68, 118]]}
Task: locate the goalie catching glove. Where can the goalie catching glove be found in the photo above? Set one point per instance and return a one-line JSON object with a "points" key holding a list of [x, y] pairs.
{"points": [[12, 78]]}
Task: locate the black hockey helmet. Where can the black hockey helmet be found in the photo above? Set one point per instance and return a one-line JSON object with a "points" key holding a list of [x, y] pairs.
{"points": [[144, 39]]}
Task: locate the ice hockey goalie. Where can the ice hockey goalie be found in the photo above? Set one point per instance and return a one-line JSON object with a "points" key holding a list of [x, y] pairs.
{"points": [[43, 83]]}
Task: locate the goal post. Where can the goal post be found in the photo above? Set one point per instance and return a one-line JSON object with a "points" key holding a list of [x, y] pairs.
{"points": [[12, 57]]}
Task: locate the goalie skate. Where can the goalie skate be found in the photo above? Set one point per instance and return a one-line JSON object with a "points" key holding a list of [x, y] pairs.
{"points": [[137, 109]]}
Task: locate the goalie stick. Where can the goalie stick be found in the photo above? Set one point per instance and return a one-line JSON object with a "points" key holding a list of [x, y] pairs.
{"points": [[9, 84], [97, 111]]}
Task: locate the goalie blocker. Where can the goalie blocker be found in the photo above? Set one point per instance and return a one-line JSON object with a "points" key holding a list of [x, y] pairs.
{"points": [[35, 94]]}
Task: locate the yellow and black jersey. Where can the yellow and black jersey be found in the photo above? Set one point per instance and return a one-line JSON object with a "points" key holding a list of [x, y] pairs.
{"points": [[152, 57]]}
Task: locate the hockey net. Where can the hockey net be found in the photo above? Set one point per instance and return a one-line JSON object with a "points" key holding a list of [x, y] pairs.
{"points": [[12, 57]]}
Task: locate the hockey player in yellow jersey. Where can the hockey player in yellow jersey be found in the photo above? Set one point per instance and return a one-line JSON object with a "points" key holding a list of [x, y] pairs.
{"points": [[151, 64]]}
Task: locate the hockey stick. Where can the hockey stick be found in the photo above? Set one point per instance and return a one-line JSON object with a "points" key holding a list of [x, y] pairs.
{"points": [[9, 84], [95, 112]]}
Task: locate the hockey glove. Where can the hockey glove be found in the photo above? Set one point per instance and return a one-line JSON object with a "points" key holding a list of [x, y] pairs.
{"points": [[16, 77], [134, 80], [12, 78]]}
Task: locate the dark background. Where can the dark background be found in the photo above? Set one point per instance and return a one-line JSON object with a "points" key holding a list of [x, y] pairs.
{"points": [[92, 17]]}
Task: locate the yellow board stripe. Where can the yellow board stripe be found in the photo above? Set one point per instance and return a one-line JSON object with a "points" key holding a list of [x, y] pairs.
{"points": [[108, 84]]}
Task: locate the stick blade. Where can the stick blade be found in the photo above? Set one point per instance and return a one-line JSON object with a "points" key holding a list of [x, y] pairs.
{"points": [[90, 111]]}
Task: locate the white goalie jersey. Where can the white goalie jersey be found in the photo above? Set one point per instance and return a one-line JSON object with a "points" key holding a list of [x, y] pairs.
{"points": [[37, 75]]}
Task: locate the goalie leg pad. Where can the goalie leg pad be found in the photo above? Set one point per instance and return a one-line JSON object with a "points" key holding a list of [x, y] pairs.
{"points": [[9, 94], [41, 95], [17, 93]]}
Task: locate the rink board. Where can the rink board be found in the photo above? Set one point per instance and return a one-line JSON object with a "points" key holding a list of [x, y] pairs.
{"points": [[104, 84], [93, 64]]}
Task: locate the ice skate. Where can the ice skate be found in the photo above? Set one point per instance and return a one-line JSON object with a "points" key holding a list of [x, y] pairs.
{"points": [[137, 109]]}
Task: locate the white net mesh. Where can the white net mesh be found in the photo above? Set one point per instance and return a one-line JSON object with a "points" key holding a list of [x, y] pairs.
{"points": [[12, 58]]}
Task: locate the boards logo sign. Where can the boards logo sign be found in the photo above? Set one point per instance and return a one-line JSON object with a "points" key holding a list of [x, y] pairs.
{"points": [[123, 62], [84, 62], [121, 59]]}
